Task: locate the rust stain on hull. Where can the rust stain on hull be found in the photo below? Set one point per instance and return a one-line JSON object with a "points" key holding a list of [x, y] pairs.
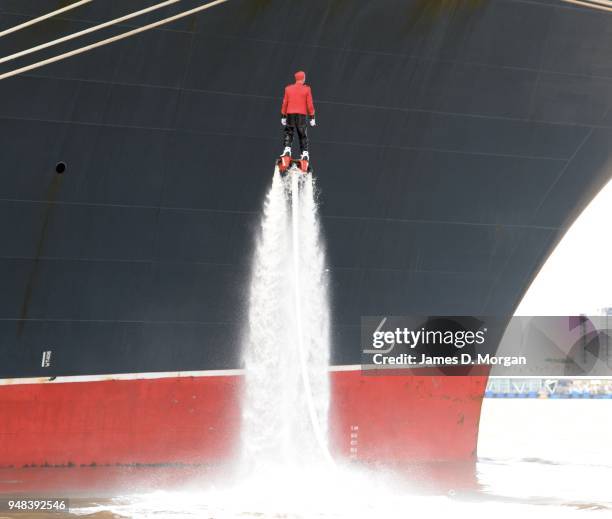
{"points": [[51, 197]]}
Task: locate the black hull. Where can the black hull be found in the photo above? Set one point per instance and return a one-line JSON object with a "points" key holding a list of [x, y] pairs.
{"points": [[455, 145]]}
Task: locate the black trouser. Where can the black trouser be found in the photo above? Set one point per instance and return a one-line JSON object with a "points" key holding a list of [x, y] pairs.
{"points": [[296, 122]]}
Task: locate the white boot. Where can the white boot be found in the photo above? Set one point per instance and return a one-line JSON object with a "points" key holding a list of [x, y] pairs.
{"points": [[304, 156], [287, 151]]}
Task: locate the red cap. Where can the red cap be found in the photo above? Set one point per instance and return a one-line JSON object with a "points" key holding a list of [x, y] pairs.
{"points": [[300, 76]]}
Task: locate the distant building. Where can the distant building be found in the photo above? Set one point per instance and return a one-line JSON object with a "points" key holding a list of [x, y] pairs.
{"points": [[548, 388]]}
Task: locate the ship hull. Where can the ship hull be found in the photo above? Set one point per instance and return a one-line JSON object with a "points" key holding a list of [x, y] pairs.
{"points": [[457, 141], [426, 424]]}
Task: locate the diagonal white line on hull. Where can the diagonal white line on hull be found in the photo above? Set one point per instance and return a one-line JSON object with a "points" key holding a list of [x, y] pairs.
{"points": [[43, 17], [113, 39], [87, 31]]}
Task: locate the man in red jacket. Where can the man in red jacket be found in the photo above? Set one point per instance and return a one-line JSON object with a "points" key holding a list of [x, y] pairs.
{"points": [[297, 112]]}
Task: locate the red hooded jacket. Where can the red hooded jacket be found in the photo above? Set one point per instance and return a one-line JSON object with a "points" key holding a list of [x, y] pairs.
{"points": [[298, 100]]}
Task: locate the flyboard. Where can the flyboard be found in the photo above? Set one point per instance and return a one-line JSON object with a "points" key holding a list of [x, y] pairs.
{"points": [[294, 174], [286, 162]]}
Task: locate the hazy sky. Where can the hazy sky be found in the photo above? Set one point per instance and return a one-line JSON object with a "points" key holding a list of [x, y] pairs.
{"points": [[577, 278]]}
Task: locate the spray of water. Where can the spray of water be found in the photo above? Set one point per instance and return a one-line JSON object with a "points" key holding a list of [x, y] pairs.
{"points": [[311, 307], [287, 346]]}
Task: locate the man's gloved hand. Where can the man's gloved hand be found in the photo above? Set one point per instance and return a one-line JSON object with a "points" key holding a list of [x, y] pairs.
{"points": [[313, 122], [284, 121]]}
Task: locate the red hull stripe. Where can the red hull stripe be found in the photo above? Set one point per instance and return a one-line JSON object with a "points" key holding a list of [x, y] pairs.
{"points": [[196, 419]]}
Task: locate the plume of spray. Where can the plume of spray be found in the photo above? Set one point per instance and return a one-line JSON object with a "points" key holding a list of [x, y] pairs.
{"points": [[286, 354], [311, 308]]}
